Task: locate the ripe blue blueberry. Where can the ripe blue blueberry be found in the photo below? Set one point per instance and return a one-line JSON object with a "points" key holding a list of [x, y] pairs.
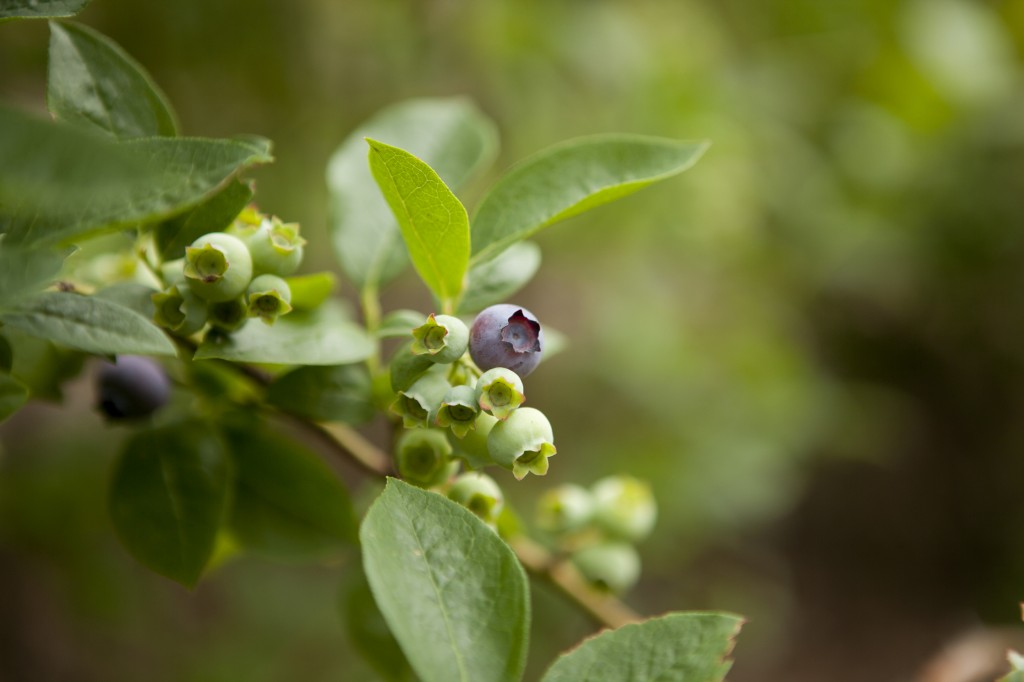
{"points": [[133, 387], [506, 336]]}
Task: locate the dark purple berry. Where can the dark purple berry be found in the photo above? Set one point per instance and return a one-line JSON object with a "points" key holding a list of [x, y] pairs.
{"points": [[134, 387], [508, 336]]}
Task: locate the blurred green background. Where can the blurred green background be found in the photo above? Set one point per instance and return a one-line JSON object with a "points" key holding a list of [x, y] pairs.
{"points": [[810, 344]]}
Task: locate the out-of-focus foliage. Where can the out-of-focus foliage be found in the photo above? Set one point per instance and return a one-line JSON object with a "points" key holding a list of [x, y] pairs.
{"points": [[837, 280]]}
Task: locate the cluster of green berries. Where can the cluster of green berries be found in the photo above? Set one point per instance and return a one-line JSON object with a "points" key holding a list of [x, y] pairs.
{"points": [[468, 405], [228, 277], [599, 526]]}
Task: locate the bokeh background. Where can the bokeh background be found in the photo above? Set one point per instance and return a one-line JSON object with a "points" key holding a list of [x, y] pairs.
{"points": [[811, 344]]}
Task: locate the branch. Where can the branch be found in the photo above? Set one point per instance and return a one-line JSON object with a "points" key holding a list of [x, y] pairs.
{"points": [[602, 607], [605, 609]]}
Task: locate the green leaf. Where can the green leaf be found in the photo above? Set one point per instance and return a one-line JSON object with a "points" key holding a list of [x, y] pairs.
{"points": [[406, 368], [89, 324], [25, 271], [325, 336], [340, 393], [42, 366], [93, 82], [132, 295], [570, 178], [13, 394], [287, 502], [6, 354], [495, 280], [450, 589], [368, 632], [309, 291], [39, 9], [433, 221], [679, 647], [399, 323], [58, 183], [213, 215], [450, 135], [168, 497]]}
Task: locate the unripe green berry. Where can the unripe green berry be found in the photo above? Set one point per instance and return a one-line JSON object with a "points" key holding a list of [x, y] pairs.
{"points": [[179, 309], [276, 247], [422, 457], [269, 297], [612, 566], [522, 443], [499, 391], [458, 410], [418, 404], [565, 509], [173, 271], [624, 507], [472, 448], [443, 337], [218, 267], [478, 493], [228, 316]]}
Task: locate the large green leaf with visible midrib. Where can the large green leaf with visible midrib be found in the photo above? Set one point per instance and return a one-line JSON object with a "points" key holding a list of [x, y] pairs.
{"points": [[169, 496], [88, 323], [450, 135], [60, 182], [433, 221], [570, 178], [93, 82], [450, 589], [39, 9], [678, 647]]}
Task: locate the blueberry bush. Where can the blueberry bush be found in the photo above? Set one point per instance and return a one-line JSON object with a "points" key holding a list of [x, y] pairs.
{"points": [[225, 364]]}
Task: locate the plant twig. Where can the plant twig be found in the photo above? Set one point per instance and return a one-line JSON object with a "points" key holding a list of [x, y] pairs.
{"points": [[601, 606], [605, 609]]}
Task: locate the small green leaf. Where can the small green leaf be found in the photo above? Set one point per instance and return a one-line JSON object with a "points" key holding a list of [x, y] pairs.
{"points": [[25, 271], [400, 323], [309, 291], [678, 647], [325, 336], [450, 589], [450, 135], [495, 280], [570, 178], [13, 394], [287, 502], [89, 324], [93, 82], [168, 497], [368, 632], [433, 221], [39, 9], [340, 393], [213, 215]]}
